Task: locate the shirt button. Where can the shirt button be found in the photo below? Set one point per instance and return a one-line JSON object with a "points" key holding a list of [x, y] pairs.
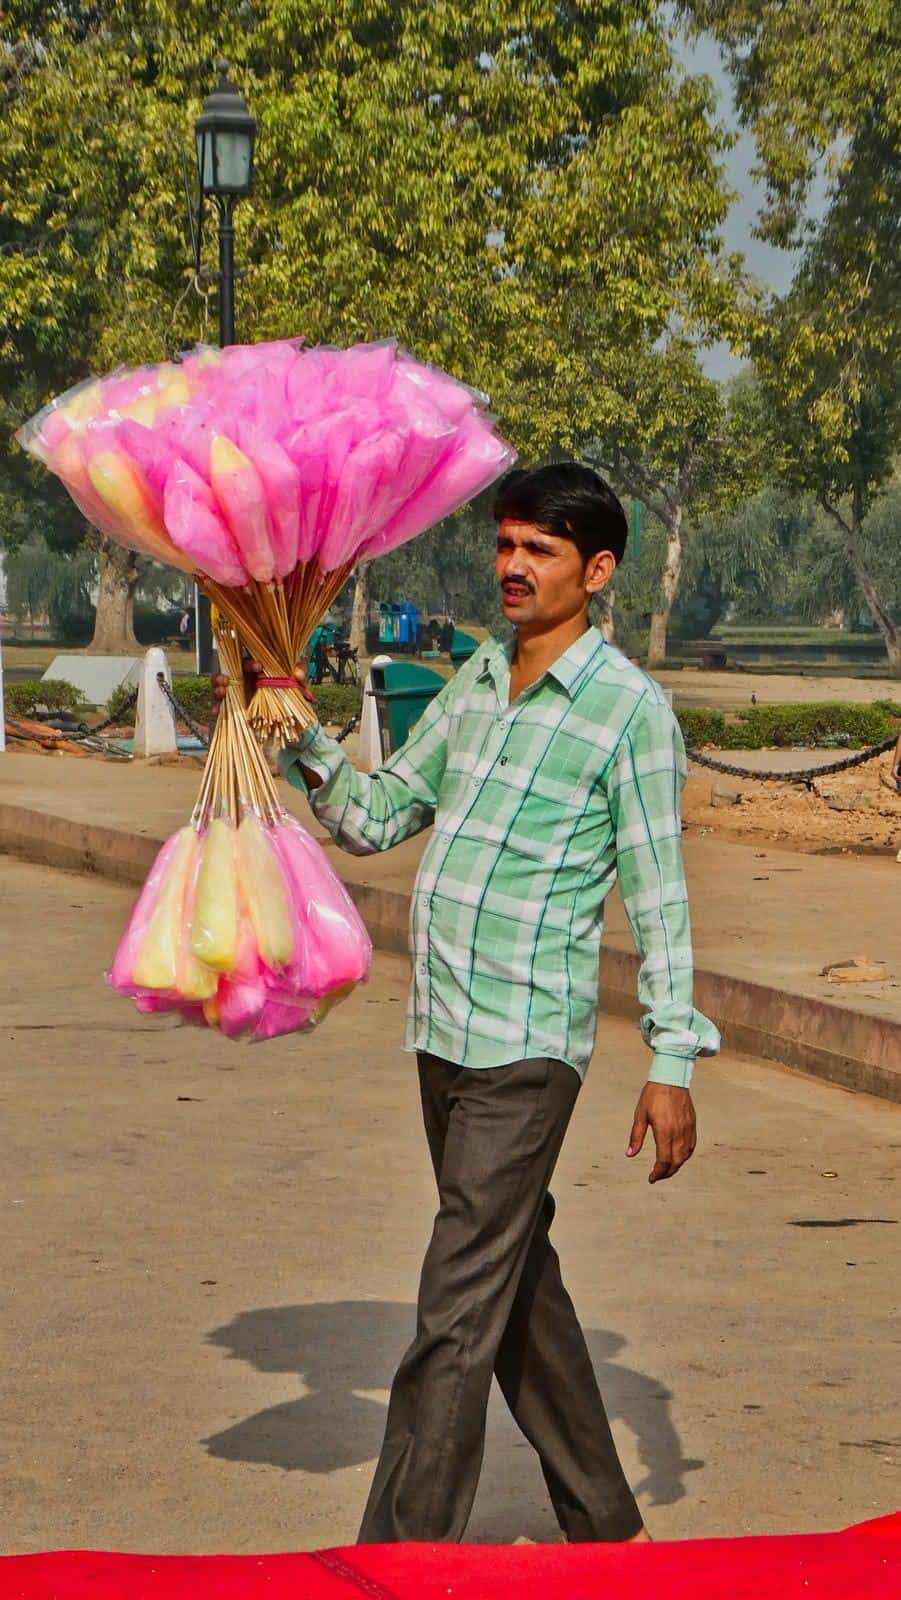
{"points": [[425, 900]]}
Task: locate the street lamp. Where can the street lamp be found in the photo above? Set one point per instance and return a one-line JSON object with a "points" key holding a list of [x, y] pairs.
{"points": [[225, 134]]}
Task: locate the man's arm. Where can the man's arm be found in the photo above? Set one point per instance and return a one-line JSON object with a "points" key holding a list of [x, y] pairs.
{"points": [[365, 813], [644, 787]]}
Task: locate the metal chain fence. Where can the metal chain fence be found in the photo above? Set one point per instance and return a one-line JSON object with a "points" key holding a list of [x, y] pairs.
{"points": [[805, 775], [195, 727]]}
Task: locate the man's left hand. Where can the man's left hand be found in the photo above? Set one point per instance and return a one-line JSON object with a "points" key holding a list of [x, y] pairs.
{"points": [[670, 1114]]}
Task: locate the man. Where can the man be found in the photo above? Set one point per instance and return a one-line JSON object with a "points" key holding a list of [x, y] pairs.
{"points": [[547, 770]]}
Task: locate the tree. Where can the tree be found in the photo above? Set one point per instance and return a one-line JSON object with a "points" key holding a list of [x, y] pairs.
{"points": [[823, 582], [453, 175], [45, 583], [818, 83], [828, 371], [678, 443]]}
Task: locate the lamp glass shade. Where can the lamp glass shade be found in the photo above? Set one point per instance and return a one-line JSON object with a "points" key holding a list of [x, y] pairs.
{"points": [[224, 160]]}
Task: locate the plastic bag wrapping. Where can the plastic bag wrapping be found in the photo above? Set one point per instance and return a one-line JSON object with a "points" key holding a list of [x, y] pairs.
{"points": [[244, 929], [238, 464]]}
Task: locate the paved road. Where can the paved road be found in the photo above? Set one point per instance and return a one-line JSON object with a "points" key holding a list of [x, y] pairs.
{"points": [[211, 1255]]}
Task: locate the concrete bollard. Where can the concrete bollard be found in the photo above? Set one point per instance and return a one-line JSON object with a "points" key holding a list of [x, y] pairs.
{"points": [[371, 755], [155, 719]]}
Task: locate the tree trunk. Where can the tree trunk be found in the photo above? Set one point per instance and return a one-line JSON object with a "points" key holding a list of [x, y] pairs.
{"points": [[891, 633], [360, 614], [669, 588], [118, 573]]}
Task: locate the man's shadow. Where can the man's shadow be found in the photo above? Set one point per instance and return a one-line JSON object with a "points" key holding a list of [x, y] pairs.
{"points": [[345, 1353]]}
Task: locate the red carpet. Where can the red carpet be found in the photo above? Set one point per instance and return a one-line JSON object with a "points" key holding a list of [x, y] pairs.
{"points": [[862, 1563]]}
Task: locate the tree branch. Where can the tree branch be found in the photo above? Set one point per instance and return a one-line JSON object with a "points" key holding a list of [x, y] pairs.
{"points": [[639, 483]]}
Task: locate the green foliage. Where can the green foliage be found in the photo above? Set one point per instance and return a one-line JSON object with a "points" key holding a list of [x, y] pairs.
{"points": [[762, 727], [115, 706], [336, 703], [701, 726], [21, 698], [195, 694], [43, 582]]}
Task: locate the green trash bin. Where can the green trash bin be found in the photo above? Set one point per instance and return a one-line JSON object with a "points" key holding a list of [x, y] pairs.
{"points": [[463, 645], [402, 691]]}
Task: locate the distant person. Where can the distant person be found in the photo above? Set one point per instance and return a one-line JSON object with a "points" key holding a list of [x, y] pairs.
{"points": [[185, 623], [446, 635]]}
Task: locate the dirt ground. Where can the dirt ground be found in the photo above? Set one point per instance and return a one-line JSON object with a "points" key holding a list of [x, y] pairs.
{"points": [[730, 691], [851, 812]]}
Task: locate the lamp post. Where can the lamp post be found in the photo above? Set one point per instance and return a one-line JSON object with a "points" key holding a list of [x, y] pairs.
{"points": [[225, 133]]}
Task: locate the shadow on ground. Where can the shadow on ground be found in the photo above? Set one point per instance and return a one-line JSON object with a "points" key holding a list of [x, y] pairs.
{"points": [[344, 1350]]}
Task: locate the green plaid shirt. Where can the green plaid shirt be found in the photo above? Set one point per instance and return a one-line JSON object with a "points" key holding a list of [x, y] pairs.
{"points": [[537, 808]]}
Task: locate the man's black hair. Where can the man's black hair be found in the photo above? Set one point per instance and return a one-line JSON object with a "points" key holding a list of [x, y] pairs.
{"points": [[568, 500]]}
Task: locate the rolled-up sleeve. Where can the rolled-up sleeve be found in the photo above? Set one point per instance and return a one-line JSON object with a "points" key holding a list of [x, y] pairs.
{"points": [[363, 812], [644, 787]]}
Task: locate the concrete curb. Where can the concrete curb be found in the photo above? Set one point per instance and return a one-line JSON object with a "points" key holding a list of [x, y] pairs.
{"points": [[847, 1048]]}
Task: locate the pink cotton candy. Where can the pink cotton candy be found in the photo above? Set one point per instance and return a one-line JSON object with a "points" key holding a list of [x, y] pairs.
{"points": [[194, 523], [280, 1016], [238, 488], [353, 511], [307, 380], [240, 1003], [453, 399], [281, 482], [187, 1011], [151, 452], [246, 462], [308, 447], [479, 457], [365, 370], [337, 949]]}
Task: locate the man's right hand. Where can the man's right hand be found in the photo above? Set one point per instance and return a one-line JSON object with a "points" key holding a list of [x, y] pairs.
{"points": [[254, 670]]}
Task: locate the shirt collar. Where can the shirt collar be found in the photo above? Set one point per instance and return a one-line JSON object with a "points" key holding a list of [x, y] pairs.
{"points": [[566, 670]]}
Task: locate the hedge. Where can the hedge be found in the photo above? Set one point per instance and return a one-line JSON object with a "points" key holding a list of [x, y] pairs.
{"points": [[335, 702], [761, 727], [54, 693]]}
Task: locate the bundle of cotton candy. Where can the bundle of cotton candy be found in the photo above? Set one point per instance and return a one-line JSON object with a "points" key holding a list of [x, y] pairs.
{"points": [[242, 924], [269, 471], [246, 929]]}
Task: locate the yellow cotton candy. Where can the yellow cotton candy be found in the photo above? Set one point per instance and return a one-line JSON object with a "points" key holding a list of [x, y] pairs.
{"points": [[211, 1012], [214, 928], [156, 964], [328, 1001], [263, 889], [196, 981], [174, 387], [225, 456], [85, 404], [143, 410], [120, 488]]}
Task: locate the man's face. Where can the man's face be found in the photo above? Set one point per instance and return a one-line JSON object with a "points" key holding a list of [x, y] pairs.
{"points": [[542, 577]]}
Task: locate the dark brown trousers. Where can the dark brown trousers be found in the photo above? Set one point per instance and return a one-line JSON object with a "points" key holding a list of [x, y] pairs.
{"points": [[491, 1300]]}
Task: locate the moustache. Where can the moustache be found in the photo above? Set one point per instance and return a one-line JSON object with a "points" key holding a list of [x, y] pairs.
{"points": [[517, 586]]}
